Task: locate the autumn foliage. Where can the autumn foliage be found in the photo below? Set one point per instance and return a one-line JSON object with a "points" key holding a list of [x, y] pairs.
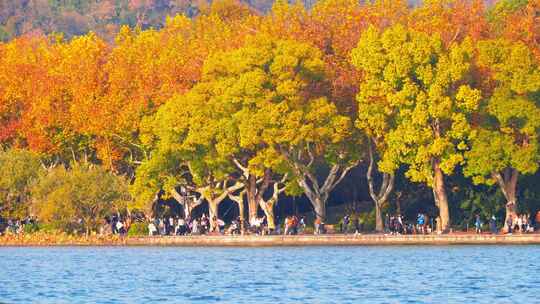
{"points": [[285, 91]]}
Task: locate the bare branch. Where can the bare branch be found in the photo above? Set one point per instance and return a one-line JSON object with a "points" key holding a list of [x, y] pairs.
{"points": [[311, 156], [245, 170], [330, 178], [343, 174]]}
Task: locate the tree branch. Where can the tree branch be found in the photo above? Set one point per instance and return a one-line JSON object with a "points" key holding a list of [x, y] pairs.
{"points": [[369, 175], [245, 170], [343, 174]]}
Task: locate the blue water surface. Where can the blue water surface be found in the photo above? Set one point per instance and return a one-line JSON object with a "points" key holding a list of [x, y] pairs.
{"points": [[412, 274]]}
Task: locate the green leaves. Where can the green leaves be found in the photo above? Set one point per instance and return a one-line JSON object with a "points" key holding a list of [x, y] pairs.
{"points": [[509, 136], [20, 169], [414, 99], [63, 197]]}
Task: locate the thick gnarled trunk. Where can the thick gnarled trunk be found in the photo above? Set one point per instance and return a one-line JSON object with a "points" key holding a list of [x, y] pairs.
{"points": [[441, 199], [214, 194], [302, 162], [188, 203], [507, 181], [213, 212], [319, 206], [268, 205], [268, 208], [252, 197], [255, 188], [239, 199], [318, 195]]}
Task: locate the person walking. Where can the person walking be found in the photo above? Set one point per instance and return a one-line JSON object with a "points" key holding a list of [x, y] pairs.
{"points": [[493, 224], [509, 223], [287, 225], [478, 224], [519, 224], [302, 225], [345, 228], [221, 226], [195, 227], [356, 224], [151, 229], [421, 221], [316, 224]]}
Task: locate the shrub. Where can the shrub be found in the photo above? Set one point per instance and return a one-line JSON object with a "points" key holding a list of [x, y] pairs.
{"points": [[138, 229], [20, 168], [79, 198], [31, 228]]}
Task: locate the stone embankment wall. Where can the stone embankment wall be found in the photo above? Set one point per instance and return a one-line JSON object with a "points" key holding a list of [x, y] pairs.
{"points": [[278, 240], [335, 240]]}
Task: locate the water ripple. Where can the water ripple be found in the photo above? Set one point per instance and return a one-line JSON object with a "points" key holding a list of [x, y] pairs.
{"points": [[475, 274]]}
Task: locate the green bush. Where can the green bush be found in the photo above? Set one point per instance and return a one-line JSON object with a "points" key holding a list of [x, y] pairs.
{"points": [[49, 227], [76, 199], [138, 229], [31, 228]]}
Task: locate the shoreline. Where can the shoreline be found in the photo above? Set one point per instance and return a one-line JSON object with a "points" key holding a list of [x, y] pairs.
{"points": [[279, 240]]}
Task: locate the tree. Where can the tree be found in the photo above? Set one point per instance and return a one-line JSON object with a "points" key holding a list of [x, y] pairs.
{"points": [[184, 151], [506, 144], [148, 67], [424, 84], [380, 196], [236, 81], [518, 20], [63, 196], [20, 169], [285, 120], [25, 87], [453, 20]]}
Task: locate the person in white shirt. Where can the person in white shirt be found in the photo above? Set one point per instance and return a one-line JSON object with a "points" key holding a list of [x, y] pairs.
{"points": [[120, 227], [151, 229], [221, 225]]}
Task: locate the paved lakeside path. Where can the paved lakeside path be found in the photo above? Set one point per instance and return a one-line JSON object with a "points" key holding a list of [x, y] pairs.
{"points": [[294, 240]]}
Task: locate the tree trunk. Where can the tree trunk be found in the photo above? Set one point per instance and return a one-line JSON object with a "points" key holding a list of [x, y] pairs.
{"points": [[252, 198], [319, 205], [398, 202], [379, 198], [188, 202], [508, 184], [239, 199], [379, 223], [213, 207], [241, 211], [268, 208], [309, 182], [441, 199]]}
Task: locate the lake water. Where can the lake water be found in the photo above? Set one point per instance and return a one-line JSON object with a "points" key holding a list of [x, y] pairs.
{"points": [[460, 274]]}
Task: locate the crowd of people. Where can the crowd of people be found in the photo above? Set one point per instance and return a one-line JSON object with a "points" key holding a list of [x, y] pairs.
{"points": [[521, 223], [17, 226], [181, 226], [203, 225], [397, 224], [292, 225]]}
